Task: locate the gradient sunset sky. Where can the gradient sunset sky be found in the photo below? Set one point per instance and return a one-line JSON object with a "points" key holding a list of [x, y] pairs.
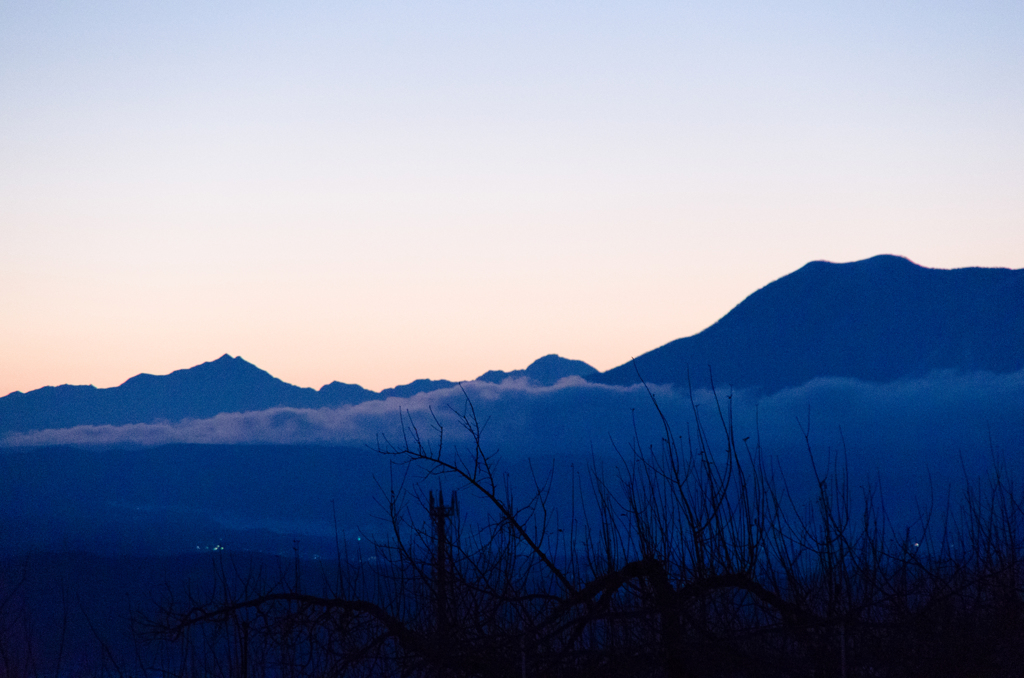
{"points": [[374, 192]]}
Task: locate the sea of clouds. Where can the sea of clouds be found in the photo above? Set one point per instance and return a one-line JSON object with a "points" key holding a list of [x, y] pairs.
{"points": [[938, 418], [163, 485]]}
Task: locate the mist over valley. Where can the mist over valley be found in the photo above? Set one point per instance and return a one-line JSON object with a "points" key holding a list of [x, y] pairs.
{"points": [[906, 382]]}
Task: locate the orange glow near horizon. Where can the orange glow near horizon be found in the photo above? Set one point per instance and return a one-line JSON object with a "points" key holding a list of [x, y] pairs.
{"points": [[376, 194]]}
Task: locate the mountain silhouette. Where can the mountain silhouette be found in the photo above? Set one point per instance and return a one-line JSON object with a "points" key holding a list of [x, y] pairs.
{"points": [[418, 386], [224, 385], [878, 320], [545, 371]]}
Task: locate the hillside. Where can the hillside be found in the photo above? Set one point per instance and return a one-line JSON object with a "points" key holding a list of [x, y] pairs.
{"points": [[878, 320]]}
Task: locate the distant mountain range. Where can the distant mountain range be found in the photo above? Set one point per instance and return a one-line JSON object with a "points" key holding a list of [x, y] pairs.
{"points": [[224, 385], [878, 320]]}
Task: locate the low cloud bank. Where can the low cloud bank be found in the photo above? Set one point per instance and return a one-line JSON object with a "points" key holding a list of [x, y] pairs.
{"points": [[516, 413], [940, 416], [166, 486]]}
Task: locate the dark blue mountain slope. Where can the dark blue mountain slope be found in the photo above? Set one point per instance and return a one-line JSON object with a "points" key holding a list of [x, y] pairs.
{"points": [[223, 385], [879, 320], [545, 371]]}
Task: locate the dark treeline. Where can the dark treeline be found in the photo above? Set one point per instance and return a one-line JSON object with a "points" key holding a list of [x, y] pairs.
{"points": [[691, 557]]}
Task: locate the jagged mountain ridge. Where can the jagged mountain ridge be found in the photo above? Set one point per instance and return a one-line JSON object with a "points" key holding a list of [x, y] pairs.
{"points": [[228, 384], [880, 319], [223, 385], [877, 320]]}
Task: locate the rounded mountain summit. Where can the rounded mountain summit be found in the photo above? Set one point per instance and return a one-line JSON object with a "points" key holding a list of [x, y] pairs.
{"points": [[879, 320]]}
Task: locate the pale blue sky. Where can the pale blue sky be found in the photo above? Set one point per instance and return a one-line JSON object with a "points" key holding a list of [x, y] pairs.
{"points": [[375, 192]]}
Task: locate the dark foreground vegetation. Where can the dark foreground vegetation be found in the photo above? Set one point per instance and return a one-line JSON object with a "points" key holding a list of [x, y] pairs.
{"points": [[690, 558]]}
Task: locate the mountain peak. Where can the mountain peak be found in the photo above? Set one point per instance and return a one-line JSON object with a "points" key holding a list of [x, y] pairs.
{"points": [[546, 371], [878, 259], [225, 362], [227, 384], [223, 368], [877, 319], [879, 264]]}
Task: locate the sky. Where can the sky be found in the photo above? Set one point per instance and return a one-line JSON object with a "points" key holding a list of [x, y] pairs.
{"points": [[375, 192]]}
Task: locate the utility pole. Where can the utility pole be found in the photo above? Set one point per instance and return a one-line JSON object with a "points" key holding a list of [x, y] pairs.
{"points": [[439, 515]]}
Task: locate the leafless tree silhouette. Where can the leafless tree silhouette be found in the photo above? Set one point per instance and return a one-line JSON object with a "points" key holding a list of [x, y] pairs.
{"points": [[691, 559]]}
